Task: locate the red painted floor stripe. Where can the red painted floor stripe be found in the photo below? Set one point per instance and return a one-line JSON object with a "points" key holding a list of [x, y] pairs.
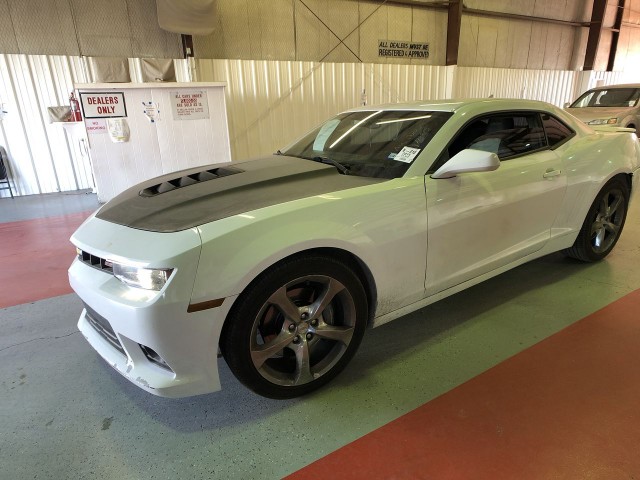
{"points": [[35, 256], [566, 408]]}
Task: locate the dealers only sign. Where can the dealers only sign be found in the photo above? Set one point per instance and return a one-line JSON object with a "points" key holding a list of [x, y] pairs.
{"points": [[400, 49], [103, 104]]}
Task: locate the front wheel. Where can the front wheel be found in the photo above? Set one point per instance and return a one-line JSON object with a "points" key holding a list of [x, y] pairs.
{"points": [[603, 225], [295, 327]]}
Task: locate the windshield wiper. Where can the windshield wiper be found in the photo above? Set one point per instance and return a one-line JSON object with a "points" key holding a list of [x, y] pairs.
{"points": [[341, 168], [278, 153]]}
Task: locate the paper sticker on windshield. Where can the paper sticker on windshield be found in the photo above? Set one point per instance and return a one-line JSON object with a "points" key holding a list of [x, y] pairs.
{"points": [[407, 154], [323, 135]]}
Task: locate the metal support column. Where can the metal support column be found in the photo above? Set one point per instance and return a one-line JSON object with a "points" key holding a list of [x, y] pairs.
{"points": [[187, 46], [453, 31], [595, 29], [615, 35]]}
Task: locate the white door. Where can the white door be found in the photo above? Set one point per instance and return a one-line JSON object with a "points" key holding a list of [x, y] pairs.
{"points": [[481, 221]]}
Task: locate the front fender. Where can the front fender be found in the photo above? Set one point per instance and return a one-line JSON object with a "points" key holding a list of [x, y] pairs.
{"points": [[383, 225]]}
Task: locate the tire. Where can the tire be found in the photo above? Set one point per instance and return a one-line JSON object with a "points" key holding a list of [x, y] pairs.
{"points": [[295, 327], [603, 224]]}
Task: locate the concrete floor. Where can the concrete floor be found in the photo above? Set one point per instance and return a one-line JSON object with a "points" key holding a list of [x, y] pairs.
{"points": [[48, 205], [66, 414]]}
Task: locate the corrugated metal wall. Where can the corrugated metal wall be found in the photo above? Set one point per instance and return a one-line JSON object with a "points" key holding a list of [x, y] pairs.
{"points": [[269, 103], [41, 157], [553, 86]]}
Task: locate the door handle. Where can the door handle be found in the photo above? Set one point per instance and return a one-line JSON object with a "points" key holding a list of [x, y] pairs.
{"points": [[551, 173]]}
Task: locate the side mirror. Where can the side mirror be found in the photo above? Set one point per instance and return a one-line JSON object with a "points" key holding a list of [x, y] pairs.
{"points": [[468, 160], [566, 105]]}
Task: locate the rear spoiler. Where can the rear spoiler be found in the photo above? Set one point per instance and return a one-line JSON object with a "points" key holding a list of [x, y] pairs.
{"points": [[611, 129]]}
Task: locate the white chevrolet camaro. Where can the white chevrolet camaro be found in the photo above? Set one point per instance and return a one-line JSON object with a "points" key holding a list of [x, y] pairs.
{"points": [[281, 263]]}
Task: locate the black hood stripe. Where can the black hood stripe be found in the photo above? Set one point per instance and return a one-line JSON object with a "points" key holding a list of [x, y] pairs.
{"points": [[254, 184]]}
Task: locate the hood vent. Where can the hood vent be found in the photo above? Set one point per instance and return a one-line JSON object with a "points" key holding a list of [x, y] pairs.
{"points": [[187, 180]]}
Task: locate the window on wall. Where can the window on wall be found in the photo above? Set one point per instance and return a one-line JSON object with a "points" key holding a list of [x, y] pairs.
{"points": [[507, 135]]}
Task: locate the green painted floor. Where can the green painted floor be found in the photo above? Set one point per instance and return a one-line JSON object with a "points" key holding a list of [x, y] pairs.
{"points": [[65, 414]]}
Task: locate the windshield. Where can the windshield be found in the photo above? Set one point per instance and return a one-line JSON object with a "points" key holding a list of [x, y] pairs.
{"points": [[611, 97], [371, 143]]}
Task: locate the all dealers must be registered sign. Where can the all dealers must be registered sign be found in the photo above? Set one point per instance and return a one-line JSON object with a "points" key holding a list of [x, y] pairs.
{"points": [[103, 104], [399, 49]]}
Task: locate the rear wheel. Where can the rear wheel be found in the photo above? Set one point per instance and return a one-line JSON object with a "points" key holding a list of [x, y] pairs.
{"points": [[295, 327], [603, 225]]}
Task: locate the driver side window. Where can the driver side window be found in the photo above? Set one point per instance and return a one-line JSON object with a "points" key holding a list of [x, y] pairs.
{"points": [[506, 135]]}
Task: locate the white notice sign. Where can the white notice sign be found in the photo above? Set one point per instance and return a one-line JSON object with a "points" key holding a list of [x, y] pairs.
{"points": [[98, 125], [407, 154], [189, 105]]}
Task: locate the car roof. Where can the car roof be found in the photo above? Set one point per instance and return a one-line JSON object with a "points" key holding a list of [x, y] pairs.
{"points": [[453, 105], [622, 85]]}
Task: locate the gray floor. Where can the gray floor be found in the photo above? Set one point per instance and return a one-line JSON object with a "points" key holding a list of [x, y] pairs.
{"points": [[49, 205], [65, 414]]}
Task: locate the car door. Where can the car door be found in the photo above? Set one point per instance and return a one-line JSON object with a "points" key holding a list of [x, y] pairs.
{"points": [[479, 222]]}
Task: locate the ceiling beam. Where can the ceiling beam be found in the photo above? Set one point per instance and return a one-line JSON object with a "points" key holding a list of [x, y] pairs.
{"points": [[517, 16]]}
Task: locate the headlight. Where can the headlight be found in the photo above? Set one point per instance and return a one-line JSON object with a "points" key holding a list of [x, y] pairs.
{"points": [[603, 121], [147, 278]]}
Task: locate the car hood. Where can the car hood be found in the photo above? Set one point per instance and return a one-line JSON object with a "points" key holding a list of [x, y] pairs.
{"points": [[592, 113], [193, 197]]}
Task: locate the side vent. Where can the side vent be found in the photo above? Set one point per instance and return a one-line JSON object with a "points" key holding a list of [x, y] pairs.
{"points": [[185, 181]]}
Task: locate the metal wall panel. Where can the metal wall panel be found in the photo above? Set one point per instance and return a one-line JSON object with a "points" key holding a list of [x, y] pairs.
{"points": [[553, 86], [42, 156], [520, 43], [321, 30], [85, 27], [42, 27], [271, 103]]}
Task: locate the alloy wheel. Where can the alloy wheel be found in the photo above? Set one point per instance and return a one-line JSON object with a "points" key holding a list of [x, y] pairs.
{"points": [[302, 330]]}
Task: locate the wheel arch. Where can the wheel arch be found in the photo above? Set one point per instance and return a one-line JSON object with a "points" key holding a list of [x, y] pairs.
{"points": [[359, 266], [581, 249], [628, 178], [246, 314]]}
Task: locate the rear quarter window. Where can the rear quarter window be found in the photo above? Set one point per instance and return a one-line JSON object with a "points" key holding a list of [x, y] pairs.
{"points": [[557, 132]]}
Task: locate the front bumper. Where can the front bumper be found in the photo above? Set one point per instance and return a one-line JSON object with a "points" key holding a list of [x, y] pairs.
{"points": [[131, 328]]}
